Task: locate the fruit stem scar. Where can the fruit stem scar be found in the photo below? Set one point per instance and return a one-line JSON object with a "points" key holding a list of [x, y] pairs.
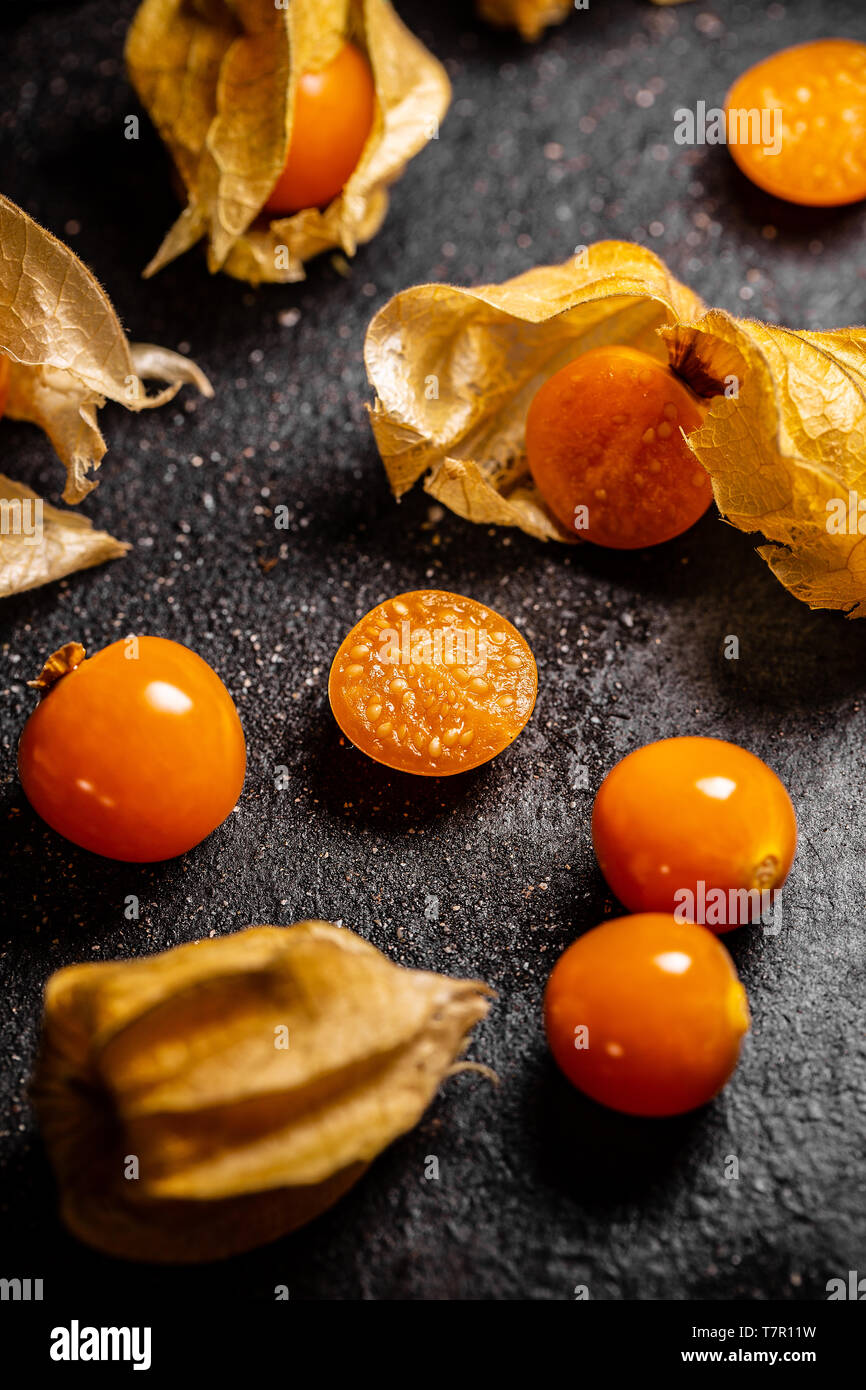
{"points": [[766, 873], [58, 665]]}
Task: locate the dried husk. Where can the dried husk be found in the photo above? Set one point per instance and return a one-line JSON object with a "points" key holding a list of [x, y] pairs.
{"points": [[218, 80], [68, 542], [172, 1059], [59, 664], [454, 371], [67, 355]]}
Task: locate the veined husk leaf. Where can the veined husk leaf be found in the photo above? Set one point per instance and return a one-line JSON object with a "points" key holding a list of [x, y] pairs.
{"points": [[66, 354], [789, 453], [67, 351], [177, 1060], [784, 437], [218, 80], [50, 544], [529, 17]]}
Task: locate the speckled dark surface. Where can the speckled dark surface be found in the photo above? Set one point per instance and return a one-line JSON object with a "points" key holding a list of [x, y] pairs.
{"points": [[491, 873]]}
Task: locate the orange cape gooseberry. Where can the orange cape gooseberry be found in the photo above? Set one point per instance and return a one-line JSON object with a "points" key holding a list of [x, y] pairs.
{"points": [[646, 1014], [812, 101], [4, 382], [604, 440], [331, 121], [433, 683], [136, 753], [697, 827]]}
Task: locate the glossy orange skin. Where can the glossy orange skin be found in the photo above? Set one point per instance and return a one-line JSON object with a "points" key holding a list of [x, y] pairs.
{"points": [[821, 90], [332, 119], [604, 434], [4, 382], [664, 1011], [688, 809], [135, 759], [425, 704]]}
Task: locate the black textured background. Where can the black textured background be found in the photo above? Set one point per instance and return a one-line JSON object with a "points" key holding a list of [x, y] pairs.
{"points": [[490, 873]]}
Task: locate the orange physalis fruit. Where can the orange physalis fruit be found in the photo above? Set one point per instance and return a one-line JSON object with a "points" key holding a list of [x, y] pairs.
{"points": [[331, 120], [646, 1014], [605, 446], [136, 753], [4, 381], [697, 827], [433, 683], [811, 99]]}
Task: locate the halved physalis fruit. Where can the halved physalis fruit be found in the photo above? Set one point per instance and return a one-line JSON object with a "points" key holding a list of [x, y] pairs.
{"points": [[331, 121], [796, 123], [433, 683], [604, 440]]}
